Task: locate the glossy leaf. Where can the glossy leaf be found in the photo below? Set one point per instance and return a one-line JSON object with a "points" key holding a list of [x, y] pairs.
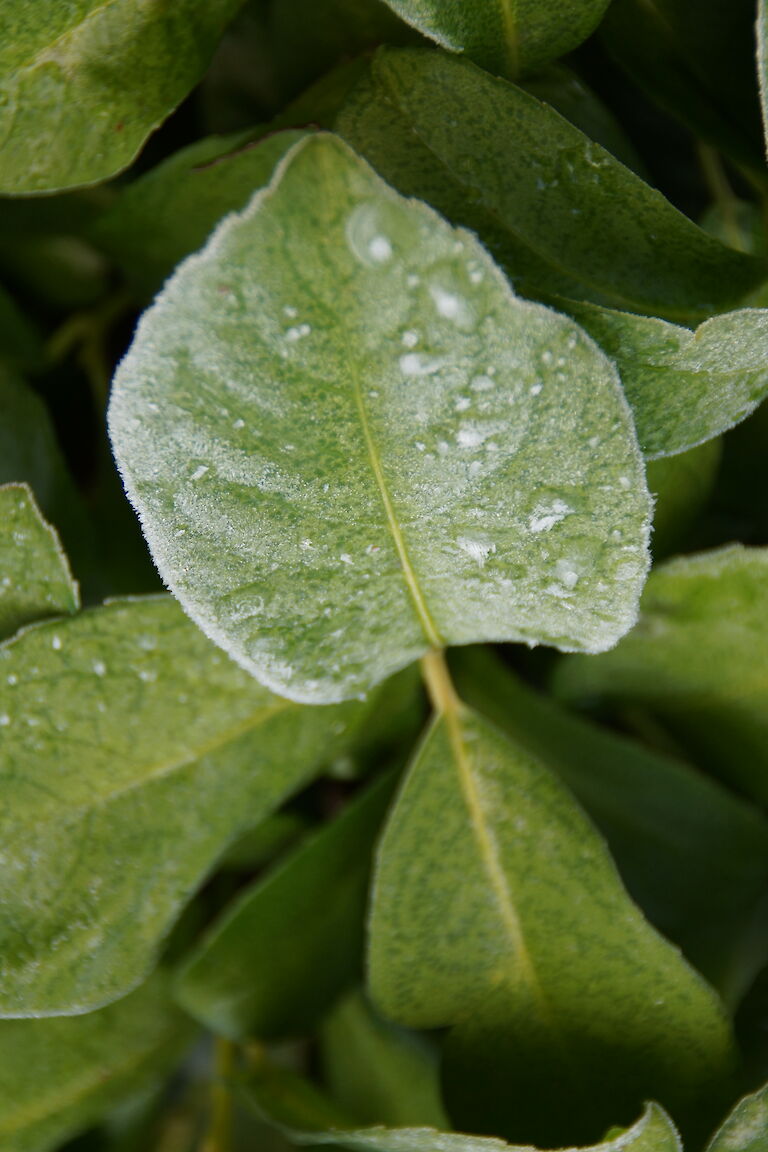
{"points": [[35, 580], [58, 1077], [684, 387], [504, 36], [506, 922], [73, 112], [133, 752], [346, 440], [377, 1072], [699, 659], [297, 933], [746, 1129], [308, 1117], [561, 214], [171, 211], [693, 856]]}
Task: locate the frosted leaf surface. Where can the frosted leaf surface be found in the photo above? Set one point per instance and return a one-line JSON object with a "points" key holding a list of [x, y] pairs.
{"points": [[376, 462]]}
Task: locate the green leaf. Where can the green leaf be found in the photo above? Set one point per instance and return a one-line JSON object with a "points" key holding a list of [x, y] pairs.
{"points": [[561, 214], [58, 1077], [695, 58], [684, 387], [307, 1117], [694, 857], [506, 922], [504, 36], [20, 344], [379, 1073], [746, 1129], [133, 754], [35, 580], [311, 910], [699, 659], [348, 442], [85, 83], [171, 211], [762, 61]]}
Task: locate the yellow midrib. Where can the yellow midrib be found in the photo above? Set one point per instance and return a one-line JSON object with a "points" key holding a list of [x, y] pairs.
{"points": [[508, 10]]}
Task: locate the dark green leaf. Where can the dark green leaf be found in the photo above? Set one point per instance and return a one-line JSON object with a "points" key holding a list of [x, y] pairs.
{"points": [[681, 486], [560, 213], [280, 955], [348, 441], [505, 921]]}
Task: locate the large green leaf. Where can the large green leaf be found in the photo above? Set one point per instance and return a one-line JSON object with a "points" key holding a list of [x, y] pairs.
{"points": [[35, 580], [684, 387], [296, 1107], [694, 857], [277, 959], [762, 61], [348, 441], [561, 213], [505, 36], [83, 84], [505, 921], [133, 752], [377, 1072], [699, 659], [58, 1077], [171, 211], [746, 1129]]}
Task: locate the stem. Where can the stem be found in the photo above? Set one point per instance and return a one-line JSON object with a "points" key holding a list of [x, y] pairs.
{"points": [[721, 192], [219, 1136], [440, 687], [85, 334]]}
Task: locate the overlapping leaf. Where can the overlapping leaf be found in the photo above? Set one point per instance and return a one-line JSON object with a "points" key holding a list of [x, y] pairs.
{"points": [[746, 1128], [699, 659], [298, 934], [133, 752], [560, 212], [35, 580], [506, 921], [505, 36], [82, 85], [348, 442], [58, 1077]]}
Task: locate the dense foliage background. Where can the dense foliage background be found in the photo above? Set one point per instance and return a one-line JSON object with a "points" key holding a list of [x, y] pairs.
{"points": [[422, 804]]}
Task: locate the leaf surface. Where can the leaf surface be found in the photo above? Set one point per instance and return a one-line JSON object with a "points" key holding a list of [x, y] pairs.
{"points": [[307, 1117], [504, 36], [561, 214], [684, 387], [349, 442], [506, 922], [83, 84], [699, 659], [746, 1129], [693, 856], [275, 961], [133, 754], [58, 1077], [35, 580]]}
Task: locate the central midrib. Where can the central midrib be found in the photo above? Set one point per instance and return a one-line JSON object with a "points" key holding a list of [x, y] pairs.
{"points": [[422, 611]]}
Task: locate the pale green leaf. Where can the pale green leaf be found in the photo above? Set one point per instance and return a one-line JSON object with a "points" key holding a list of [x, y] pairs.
{"points": [[83, 84], [746, 1129], [58, 1077], [699, 659], [379, 1073], [133, 753], [504, 36], [348, 442], [692, 855], [291, 944], [505, 921], [307, 1117], [171, 210], [684, 387], [561, 214], [35, 580]]}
